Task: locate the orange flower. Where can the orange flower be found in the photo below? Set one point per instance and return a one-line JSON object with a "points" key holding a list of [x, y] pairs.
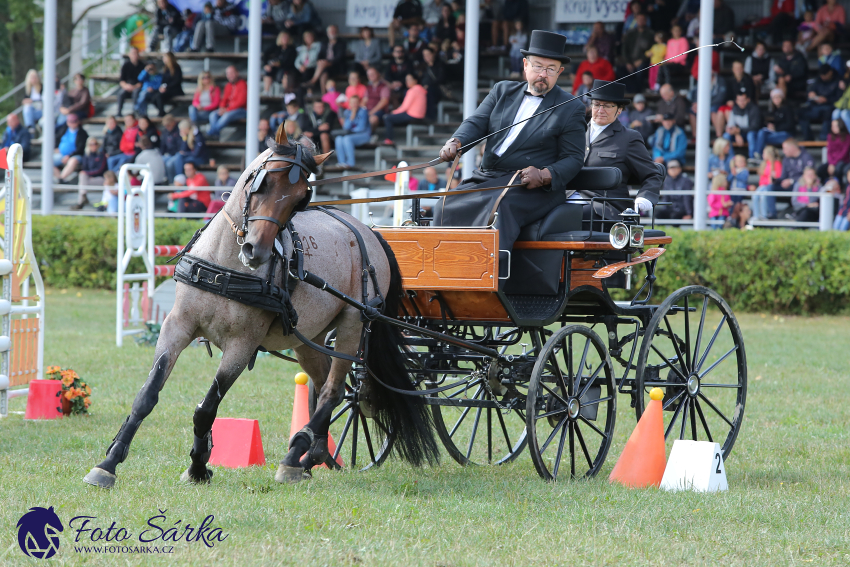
{"points": [[52, 369], [88, 390], [67, 381], [68, 395], [87, 401]]}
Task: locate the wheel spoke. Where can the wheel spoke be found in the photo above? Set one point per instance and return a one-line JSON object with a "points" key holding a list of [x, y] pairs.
{"points": [[489, 435], [556, 396], [355, 411], [733, 386], [673, 421], [676, 346], [583, 446], [569, 356], [597, 401], [464, 413], [670, 364], [368, 437], [591, 380], [550, 413], [666, 384], [560, 377], [712, 406], [718, 361], [673, 399], [593, 427], [474, 431], [552, 435], [572, 451], [702, 419], [694, 419], [711, 343], [687, 403], [701, 323], [339, 413], [465, 388], [341, 439], [560, 451], [687, 334], [581, 366], [505, 431]]}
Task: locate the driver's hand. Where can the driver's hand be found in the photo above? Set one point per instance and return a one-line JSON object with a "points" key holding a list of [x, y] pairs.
{"points": [[449, 151], [533, 178]]}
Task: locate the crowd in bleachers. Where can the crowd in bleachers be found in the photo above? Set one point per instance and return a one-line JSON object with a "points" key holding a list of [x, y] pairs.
{"points": [[347, 93]]}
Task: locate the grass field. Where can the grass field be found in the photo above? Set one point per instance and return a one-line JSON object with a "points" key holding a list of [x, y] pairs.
{"points": [[788, 502]]}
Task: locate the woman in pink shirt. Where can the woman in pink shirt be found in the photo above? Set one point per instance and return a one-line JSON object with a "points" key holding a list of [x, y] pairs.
{"points": [[677, 66], [829, 20], [412, 108], [355, 87]]}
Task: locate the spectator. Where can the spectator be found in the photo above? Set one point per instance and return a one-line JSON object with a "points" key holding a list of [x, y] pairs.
{"points": [[367, 51], [724, 20], [169, 138], [127, 145], [445, 28], [491, 13], [17, 134], [222, 179], [355, 87], [634, 10], [739, 175], [805, 208], [770, 171], [829, 21], [292, 130], [335, 56], [191, 200], [599, 38], [32, 111], [399, 67], [377, 97], [791, 71], [406, 12], [584, 87], [274, 20], [128, 82], [146, 128], [842, 107], [781, 123], [331, 95], [169, 23], [514, 10], [232, 105], [837, 152], [151, 157], [264, 130], [719, 204], [682, 206], [321, 120], [744, 122], [640, 117], [172, 83], [206, 100], [672, 103], [636, 42], [299, 17], [291, 111], [413, 44], [357, 132], [823, 94], [656, 55], [183, 41], [670, 141], [70, 142], [600, 68], [519, 41], [278, 60], [832, 58], [79, 101], [112, 133], [431, 77], [795, 161], [204, 29], [720, 95], [842, 218], [151, 80], [308, 62], [720, 159], [432, 179], [109, 200], [412, 108], [676, 68], [227, 16], [758, 66], [192, 149], [740, 80], [431, 10]]}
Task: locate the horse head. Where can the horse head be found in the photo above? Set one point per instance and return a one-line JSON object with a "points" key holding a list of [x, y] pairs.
{"points": [[275, 187]]}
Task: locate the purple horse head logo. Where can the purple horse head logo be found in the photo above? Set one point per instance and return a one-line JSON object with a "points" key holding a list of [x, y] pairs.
{"points": [[38, 532]]}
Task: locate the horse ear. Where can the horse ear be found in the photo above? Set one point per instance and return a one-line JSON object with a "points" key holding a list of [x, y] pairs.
{"points": [[280, 137], [320, 159]]}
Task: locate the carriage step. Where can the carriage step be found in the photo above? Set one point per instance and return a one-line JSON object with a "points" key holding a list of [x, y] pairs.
{"points": [[535, 306]]}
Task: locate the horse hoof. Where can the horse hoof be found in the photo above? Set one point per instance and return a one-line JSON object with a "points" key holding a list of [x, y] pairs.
{"points": [[100, 478], [290, 475], [186, 477]]}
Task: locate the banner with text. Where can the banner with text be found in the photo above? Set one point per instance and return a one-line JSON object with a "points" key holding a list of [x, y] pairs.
{"points": [[580, 11], [373, 13]]}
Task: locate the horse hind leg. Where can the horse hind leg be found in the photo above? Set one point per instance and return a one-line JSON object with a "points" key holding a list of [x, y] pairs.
{"points": [[233, 362], [172, 340]]}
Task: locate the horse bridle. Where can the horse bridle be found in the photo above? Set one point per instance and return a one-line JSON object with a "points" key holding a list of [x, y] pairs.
{"points": [[297, 169]]}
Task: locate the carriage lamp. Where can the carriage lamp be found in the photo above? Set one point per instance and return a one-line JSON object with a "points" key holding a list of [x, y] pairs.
{"points": [[619, 236], [636, 238]]}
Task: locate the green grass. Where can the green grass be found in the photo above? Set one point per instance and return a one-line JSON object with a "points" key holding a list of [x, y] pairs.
{"points": [[787, 503]]}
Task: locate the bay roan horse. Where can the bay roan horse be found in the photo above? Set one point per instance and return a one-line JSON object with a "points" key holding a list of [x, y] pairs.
{"points": [[238, 329]]}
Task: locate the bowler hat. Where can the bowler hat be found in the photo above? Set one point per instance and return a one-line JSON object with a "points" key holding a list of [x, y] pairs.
{"points": [[547, 44], [608, 92]]}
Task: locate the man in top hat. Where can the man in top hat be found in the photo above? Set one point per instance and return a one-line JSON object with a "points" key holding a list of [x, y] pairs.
{"points": [[610, 144], [543, 154]]}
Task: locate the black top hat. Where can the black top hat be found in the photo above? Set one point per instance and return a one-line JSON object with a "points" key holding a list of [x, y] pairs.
{"points": [[609, 92], [547, 44]]}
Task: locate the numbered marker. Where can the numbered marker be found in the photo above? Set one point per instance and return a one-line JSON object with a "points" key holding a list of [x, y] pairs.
{"points": [[695, 465]]}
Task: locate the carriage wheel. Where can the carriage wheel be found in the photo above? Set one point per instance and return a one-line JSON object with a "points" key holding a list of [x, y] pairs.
{"points": [[571, 405], [694, 350], [360, 441]]}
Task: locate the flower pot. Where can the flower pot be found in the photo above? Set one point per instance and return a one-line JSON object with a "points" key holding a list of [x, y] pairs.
{"points": [[66, 404]]}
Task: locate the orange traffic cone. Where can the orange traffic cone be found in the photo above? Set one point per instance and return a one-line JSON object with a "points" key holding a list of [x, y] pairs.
{"points": [[301, 413], [643, 460]]}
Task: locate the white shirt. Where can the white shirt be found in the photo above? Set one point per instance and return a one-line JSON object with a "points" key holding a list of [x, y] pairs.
{"points": [[596, 129], [527, 108]]}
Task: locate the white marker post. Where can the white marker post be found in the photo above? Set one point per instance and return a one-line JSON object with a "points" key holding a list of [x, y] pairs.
{"points": [[695, 465]]}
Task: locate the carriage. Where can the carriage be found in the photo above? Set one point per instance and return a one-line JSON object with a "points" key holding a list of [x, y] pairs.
{"points": [[537, 357]]}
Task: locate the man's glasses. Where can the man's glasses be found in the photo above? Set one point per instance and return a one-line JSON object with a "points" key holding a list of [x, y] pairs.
{"points": [[550, 71], [605, 106]]}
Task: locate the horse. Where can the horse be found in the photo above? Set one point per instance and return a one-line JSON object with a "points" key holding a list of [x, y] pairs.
{"points": [[266, 200]]}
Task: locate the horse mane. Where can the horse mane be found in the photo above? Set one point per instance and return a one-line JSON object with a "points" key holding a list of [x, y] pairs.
{"points": [[307, 155]]}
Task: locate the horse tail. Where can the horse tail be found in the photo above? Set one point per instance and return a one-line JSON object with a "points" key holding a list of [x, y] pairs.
{"points": [[408, 417]]}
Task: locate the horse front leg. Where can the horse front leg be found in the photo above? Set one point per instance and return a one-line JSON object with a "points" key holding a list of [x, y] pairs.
{"points": [[233, 361], [173, 338]]}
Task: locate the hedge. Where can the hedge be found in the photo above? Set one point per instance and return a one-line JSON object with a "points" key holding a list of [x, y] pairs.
{"points": [[784, 271]]}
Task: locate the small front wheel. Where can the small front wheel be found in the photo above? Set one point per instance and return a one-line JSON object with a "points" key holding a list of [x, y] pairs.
{"points": [[571, 405]]}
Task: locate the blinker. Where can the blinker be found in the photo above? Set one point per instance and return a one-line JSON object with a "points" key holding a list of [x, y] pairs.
{"points": [[258, 180], [295, 171]]}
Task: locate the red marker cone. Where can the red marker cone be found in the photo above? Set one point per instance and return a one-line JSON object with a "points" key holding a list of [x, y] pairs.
{"points": [[644, 459], [43, 400], [301, 413]]}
